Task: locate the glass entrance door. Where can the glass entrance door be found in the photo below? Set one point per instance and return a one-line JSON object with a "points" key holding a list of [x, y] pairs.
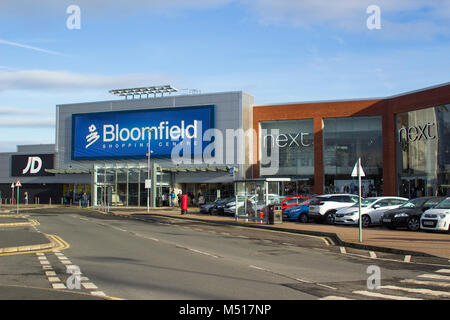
{"points": [[413, 187]]}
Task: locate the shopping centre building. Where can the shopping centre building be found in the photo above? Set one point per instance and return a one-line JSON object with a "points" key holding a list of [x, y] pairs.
{"points": [[102, 147]]}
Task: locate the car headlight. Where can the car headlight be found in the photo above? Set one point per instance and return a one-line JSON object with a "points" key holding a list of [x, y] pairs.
{"points": [[401, 215], [442, 216]]}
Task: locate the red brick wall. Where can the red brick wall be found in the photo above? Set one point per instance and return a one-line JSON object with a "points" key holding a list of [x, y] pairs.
{"points": [[386, 108]]}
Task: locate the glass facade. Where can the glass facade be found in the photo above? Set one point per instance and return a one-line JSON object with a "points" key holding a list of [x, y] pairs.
{"points": [[423, 152], [124, 184], [344, 141], [295, 142]]}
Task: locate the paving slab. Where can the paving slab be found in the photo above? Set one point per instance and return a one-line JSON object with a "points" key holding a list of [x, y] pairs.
{"points": [[4, 220]]}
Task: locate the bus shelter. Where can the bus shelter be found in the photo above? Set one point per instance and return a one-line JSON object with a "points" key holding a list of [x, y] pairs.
{"points": [[254, 195]]}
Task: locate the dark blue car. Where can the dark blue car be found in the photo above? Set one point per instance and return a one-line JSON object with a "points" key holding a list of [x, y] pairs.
{"points": [[297, 213]]}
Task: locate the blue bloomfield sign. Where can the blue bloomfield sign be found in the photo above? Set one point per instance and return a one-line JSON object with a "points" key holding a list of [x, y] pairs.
{"points": [[124, 134]]}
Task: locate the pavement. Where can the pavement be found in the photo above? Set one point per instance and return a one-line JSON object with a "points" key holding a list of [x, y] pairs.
{"points": [[19, 237], [377, 239]]}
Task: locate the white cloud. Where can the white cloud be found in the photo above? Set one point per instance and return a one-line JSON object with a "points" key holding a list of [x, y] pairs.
{"points": [[27, 123], [19, 111], [104, 7], [351, 14], [69, 81]]}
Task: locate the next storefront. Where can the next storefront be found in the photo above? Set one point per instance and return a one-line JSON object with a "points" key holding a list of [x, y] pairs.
{"points": [[403, 142]]}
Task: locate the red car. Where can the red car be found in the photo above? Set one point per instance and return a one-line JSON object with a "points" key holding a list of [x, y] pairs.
{"points": [[292, 201]]}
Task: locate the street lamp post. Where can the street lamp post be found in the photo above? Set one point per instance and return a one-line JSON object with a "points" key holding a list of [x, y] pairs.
{"points": [[148, 173]]}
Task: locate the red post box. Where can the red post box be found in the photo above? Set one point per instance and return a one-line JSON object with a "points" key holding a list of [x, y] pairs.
{"points": [[184, 204]]}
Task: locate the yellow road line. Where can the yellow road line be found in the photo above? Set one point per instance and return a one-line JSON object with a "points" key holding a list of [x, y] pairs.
{"points": [[62, 245]]}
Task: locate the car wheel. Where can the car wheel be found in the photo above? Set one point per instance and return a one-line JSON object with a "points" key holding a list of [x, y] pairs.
{"points": [[330, 218], [303, 218], [413, 224], [365, 221]]}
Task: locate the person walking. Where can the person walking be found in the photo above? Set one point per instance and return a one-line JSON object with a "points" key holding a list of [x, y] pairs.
{"points": [[179, 198], [84, 200], [172, 198], [26, 197]]}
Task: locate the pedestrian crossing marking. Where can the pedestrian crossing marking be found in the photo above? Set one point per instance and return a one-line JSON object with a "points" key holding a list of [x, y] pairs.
{"points": [[434, 276], [420, 291], [427, 283], [334, 298], [443, 271], [383, 296]]}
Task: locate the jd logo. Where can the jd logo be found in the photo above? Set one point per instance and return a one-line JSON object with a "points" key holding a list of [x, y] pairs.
{"points": [[34, 165]]}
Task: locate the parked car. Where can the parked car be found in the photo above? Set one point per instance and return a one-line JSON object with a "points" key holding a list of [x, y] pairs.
{"points": [[323, 208], [297, 213], [230, 208], [408, 214], [437, 218], [292, 201], [226, 204], [372, 209], [208, 207]]}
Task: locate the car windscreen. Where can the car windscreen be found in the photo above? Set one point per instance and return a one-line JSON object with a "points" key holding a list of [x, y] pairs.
{"points": [[414, 203], [444, 204], [365, 202], [317, 200]]}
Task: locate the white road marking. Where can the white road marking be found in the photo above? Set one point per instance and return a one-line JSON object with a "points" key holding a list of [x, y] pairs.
{"points": [[421, 291], [201, 252], [40, 254], [324, 285], [258, 268], [98, 293], [58, 286], [383, 296], [343, 250], [50, 273], [301, 280], [44, 262], [407, 258], [89, 285], [66, 262], [54, 279], [46, 267], [443, 271], [63, 258], [42, 258], [434, 276], [334, 298], [427, 283], [372, 255]]}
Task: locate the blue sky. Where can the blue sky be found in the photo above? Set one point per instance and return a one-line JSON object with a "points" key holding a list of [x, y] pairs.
{"points": [[278, 51]]}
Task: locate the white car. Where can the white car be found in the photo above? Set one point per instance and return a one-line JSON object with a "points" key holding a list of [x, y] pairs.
{"points": [[324, 207], [372, 210], [437, 218]]}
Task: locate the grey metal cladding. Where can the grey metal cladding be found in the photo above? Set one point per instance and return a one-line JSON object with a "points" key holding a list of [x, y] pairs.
{"points": [[229, 115]]}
